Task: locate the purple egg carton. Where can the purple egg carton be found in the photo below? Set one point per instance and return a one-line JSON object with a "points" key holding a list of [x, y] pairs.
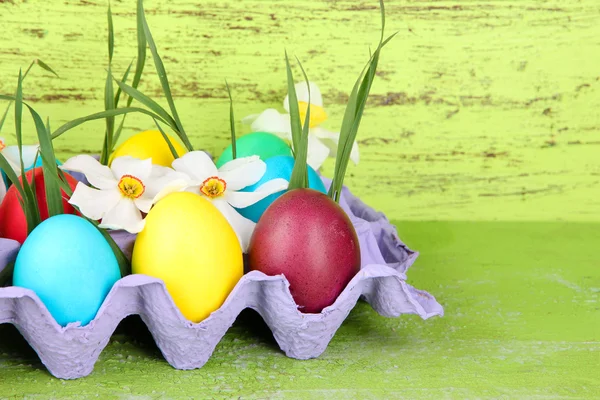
{"points": [[70, 352]]}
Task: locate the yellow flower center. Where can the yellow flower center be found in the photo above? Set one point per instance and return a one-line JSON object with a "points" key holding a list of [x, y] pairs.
{"points": [[2, 145], [317, 114], [213, 187], [131, 187]]}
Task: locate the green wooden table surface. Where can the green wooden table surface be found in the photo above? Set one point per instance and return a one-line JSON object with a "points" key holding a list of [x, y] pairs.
{"points": [[484, 120], [522, 321]]}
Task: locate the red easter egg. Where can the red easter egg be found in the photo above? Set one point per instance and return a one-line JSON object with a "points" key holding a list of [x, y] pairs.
{"points": [[13, 224], [307, 237]]}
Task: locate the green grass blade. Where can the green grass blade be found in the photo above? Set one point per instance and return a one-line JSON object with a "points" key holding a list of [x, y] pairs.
{"points": [[28, 201], [151, 104], [118, 131], [353, 114], [6, 97], [6, 274], [124, 80], [100, 115], [386, 41], [111, 35], [45, 66], [52, 189], [28, 69], [4, 116], [137, 76], [141, 56], [382, 10], [300, 170], [297, 179], [109, 104], [18, 118], [162, 75], [34, 204], [11, 175], [164, 135], [124, 265], [231, 123]]}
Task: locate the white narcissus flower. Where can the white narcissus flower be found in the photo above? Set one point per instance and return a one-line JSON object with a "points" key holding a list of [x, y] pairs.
{"points": [[221, 186], [122, 192], [2, 189], [11, 153], [321, 142]]}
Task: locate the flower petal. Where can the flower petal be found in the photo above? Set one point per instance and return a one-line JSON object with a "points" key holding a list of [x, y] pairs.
{"points": [[94, 203], [125, 215], [168, 186], [128, 165], [354, 154], [317, 152], [331, 140], [272, 121], [302, 93], [2, 190], [11, 153], [242, 226], [242, 172], [246, 199], [98, 175], [196, 164], [248, 120], [143, 203], [30, 153]]}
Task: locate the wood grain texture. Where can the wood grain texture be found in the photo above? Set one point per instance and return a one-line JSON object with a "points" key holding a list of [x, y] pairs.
{"points": [[482, 109]]}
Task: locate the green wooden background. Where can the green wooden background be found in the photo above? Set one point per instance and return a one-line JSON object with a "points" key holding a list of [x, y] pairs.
{"points": [[482, 111]]}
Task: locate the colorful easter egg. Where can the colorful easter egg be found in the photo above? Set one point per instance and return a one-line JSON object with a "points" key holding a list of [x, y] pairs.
{"points": [[149, 144], [262, 144], [69, 265], [13, 224], [189, 244], [307, 237], [277, 167]]}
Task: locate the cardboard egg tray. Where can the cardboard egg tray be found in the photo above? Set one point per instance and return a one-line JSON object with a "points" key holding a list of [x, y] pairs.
{"points": [[70, 352]]}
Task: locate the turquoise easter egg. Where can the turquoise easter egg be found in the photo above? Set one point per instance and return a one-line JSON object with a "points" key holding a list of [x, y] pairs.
{"points": [[262, 144], [69, 265], [277, 167]]}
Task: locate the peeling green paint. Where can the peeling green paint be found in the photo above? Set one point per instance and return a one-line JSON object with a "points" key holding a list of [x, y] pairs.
{"points": [[482, 110]]}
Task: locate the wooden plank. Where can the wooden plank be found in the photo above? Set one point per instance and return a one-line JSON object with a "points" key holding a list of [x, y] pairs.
{"points": [[482, 110]]}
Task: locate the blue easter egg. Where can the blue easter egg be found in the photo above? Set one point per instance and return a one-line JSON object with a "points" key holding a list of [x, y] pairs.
{"points": [[277, 167], [69, 265]]}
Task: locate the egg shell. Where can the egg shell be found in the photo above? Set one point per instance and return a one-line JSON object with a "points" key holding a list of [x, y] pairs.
{"points": [[277, 167], [149, 144], [13, 224], [307, 237], [69, 265], [189, 244], [262, 144]]}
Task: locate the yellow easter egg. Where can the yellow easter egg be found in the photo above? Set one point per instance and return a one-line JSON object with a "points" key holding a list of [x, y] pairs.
{"points": [[149, 144], [188, 244]]}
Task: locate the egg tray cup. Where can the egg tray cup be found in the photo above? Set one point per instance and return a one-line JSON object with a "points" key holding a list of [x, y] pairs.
{"points": [[70, 352]]}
